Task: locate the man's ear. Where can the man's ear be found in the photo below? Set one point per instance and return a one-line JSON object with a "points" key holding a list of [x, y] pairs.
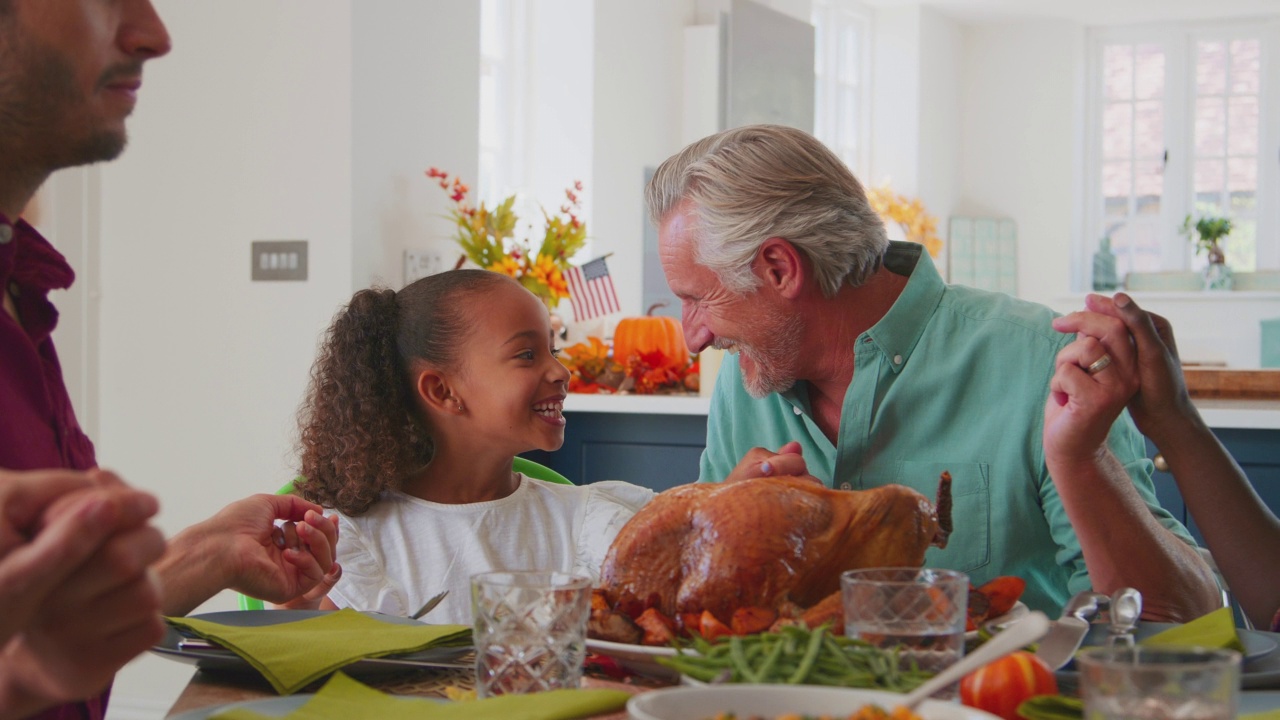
{"points": [[434, 392], [780, 266]]}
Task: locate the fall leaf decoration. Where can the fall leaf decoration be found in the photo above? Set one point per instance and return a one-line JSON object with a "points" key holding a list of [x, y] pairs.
{"points": [[487, 236], [593, 370]]}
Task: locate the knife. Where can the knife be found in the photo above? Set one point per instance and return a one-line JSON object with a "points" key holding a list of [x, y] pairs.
{"points": [[1067, 632]]}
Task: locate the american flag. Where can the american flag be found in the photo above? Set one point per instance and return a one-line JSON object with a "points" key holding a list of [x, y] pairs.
{"points": [[591, 290]]}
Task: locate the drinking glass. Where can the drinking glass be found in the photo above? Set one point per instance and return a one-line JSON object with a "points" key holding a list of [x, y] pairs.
{"points": [[530, 630], [1131, 683], [921, 612]]}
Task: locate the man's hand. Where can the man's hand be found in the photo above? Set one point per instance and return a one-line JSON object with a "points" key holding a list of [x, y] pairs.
{"points": [[76, 598], [762, 462], [242, 548]]}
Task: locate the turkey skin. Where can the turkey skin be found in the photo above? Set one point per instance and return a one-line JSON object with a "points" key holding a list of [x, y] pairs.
{"points": [[766, 543]]}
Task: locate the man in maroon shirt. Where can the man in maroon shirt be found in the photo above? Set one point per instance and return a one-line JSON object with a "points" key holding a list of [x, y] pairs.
{"points": [[84, 577]]}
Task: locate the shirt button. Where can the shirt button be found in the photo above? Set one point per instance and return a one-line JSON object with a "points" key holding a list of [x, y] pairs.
{"points": [[797, 410], [6, 233], [845, 486], [897, 359]]}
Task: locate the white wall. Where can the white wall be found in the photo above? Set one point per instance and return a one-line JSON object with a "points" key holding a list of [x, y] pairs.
{"points": [[637, 122], [1020, 141], [938, 180], [243, 133], [415, 102]]}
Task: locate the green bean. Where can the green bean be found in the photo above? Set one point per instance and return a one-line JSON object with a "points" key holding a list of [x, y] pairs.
{"points": [[794, 655]]}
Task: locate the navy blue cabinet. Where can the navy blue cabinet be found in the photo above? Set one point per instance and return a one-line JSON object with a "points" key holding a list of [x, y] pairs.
{"points": [[1257, 452], [656, 451]]}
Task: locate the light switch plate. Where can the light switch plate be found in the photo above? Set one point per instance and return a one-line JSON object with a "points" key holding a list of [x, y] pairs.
{"points": [[279, 260]]}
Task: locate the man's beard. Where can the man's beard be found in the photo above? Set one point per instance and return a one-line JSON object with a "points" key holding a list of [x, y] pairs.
{"points": [[776, 367], [39, 102]]}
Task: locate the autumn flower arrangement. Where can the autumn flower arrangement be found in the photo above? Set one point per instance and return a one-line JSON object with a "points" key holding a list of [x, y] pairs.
{"points": [[593, 369], [487, 236], [917, 224]]}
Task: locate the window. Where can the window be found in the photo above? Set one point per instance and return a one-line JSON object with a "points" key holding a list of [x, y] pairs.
{"points": [[841, 58], [502, 51], [1178, 125]]}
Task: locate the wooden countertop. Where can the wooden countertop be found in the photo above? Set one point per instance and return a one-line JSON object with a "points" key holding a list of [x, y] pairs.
{"points": [[1223, 383]]}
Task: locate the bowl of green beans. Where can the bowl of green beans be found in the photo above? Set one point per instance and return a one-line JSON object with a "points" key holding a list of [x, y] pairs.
{"points": [[793, 656]]}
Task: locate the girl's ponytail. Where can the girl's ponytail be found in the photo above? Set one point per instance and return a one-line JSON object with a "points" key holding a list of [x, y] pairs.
{"points": [[359, 431]]}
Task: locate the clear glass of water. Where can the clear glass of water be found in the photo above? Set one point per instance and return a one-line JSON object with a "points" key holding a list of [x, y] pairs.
{"points": [[1180, 683], [530, 630], [920, 612]]}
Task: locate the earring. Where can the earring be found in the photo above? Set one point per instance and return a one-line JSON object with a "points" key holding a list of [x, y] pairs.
{"points": [[458, 404]]}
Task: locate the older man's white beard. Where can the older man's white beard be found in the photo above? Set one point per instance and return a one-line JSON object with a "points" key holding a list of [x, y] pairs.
{"points": [[776, 367]]}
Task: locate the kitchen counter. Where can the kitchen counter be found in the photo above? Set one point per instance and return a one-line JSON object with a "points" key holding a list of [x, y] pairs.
{"points": [[1251, 414]]}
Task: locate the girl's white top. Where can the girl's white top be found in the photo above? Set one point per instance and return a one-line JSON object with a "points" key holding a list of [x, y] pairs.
{"points": [[404, 550]]}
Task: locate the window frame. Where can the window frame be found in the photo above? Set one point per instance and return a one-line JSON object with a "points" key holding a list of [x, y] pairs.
{"points": [[829, 18], [1179, 42]]}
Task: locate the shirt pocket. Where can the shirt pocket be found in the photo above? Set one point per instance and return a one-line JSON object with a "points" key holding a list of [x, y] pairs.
{"points": [[969, 546]]}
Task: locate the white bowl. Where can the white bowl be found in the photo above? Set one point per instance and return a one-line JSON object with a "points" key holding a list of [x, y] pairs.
{"points": [[701, 703]]}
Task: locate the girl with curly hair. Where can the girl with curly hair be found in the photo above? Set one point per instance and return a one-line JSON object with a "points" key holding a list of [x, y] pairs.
{"points": [[419, 401]]}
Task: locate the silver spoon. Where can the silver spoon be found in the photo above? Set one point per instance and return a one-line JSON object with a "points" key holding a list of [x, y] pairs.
{"points": [[429, 605], [1022, 632]]}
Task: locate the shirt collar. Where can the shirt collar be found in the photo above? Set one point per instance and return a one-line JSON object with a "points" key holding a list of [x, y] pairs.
{"points": [[32, 266], [897, 333]]}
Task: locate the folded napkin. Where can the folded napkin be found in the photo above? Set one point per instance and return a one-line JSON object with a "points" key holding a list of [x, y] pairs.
{"points": [[1216, 630], [345, 699], [294, 654], [1264, 715]]}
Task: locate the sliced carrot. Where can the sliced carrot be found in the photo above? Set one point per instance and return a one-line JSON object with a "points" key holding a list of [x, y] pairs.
{"points": [[1003, 592], [710, 627], [658, 628], [751, 620]]}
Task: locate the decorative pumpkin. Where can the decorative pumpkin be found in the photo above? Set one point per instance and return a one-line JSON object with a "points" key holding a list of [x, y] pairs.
{"points": [[650, 334]]}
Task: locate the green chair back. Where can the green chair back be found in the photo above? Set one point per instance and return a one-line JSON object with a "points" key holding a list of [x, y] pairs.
{"points": [[525, 467]]}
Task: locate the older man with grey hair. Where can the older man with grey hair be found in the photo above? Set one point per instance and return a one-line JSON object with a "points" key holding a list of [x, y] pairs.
{"points": [[855, 360]]}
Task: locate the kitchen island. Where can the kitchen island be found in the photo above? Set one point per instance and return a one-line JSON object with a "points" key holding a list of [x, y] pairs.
{"points": [[656, 441]]}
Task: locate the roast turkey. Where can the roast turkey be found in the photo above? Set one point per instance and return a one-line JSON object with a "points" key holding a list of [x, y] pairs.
{"points": [[766, 543]]}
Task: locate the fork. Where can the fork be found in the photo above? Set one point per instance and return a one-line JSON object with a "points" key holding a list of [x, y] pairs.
{"points": [[429, 605]]}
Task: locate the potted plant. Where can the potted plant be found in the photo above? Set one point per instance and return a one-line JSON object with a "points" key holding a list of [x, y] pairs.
{"points": [[1207, 233]]}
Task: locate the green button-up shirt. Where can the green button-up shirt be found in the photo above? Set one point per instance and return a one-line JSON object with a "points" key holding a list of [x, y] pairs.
{"points": [[955, 379]]}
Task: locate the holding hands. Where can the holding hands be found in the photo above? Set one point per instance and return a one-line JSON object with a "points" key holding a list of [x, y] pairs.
{"points": [[79, 601], [244, 549], [762, 462]]}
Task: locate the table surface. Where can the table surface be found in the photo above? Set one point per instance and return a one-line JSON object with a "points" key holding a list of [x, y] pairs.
{"points": [[211, 689]]}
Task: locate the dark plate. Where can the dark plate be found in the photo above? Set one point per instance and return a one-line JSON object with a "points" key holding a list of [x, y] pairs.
{"points": [[225, 660], [1261, 668]]}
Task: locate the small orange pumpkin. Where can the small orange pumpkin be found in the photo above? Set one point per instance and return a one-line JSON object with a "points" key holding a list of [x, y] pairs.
{"points": [[639, 335]]}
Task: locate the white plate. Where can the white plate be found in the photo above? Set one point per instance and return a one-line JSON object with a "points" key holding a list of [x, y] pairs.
{"points": [[699, 703], [224, 660], [1018, 610], [643, 658], [640, 659]]}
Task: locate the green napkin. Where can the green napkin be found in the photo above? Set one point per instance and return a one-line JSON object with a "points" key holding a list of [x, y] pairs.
{"points": [[1265, 715], [347, 699], [1216, 630], [292, 655]]}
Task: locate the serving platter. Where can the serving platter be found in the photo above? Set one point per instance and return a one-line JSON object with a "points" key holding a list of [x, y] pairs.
{"points": [[221, 659]]}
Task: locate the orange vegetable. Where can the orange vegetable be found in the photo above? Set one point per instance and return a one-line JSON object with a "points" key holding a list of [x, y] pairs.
{"points": [[1003, 592], [751, 620], [711, 628], [1000, 687], [641, 336], [658, 628]]}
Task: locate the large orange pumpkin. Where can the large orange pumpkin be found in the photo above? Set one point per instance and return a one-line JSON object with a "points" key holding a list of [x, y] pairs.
{"points": [[638, 335]]}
